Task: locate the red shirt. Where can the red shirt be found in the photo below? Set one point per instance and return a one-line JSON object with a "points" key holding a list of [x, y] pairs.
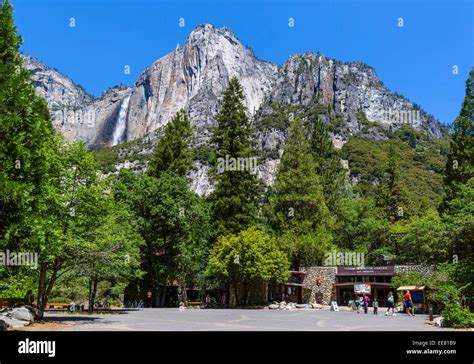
{"points": [[407, 296]]}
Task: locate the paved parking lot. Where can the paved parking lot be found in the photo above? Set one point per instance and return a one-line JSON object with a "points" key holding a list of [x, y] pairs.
{"points": [[171, 319]]}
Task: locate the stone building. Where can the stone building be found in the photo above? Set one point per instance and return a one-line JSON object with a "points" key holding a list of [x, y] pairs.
{"points": [[341, 283]]}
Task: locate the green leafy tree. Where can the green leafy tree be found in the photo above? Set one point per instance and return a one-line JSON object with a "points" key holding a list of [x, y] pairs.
{"points": [[73, 207], [235, 199], [245, 261], [420, 240], [299, 214], [111, 252], [173, 153], [174, 224]]}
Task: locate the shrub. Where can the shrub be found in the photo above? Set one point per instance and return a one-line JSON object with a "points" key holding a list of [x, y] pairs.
{"points": [[457, 316]]}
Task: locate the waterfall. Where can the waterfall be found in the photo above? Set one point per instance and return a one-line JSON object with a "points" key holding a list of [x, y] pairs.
{"points": [[121, 125]]}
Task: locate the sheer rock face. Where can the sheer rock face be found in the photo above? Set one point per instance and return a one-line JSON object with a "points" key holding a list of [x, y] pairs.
{"points": [[194, 77]]}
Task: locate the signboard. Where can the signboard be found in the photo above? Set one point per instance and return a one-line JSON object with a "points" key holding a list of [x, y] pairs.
{"points": [[362, 288], [387, 270], [334, 306]]}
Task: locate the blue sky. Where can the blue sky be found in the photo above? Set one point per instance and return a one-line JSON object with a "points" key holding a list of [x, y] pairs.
{"points": [[415, 60]]}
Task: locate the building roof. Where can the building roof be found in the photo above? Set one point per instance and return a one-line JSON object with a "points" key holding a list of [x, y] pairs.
{"points": [[411, 288]]}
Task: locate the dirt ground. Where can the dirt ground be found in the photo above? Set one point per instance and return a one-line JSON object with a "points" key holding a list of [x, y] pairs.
{"points": [[44, 326]]}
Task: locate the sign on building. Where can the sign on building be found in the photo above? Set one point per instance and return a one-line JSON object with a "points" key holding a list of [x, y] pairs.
{"points": [[362, 288]]}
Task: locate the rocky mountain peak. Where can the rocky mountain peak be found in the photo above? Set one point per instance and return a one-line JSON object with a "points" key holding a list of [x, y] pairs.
{"points": [[193, 77]]}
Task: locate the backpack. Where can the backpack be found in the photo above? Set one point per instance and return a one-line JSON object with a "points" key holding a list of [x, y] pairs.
{"points": [[390, 299]]}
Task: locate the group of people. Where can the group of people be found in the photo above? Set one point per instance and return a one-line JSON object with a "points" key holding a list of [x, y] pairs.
{"points": [[364, 301]]}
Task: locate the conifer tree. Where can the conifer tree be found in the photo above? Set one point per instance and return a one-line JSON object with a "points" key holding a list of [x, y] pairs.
{"points": [[173, 152], [392, 195], [235, 200], [460, 162], [328, 166], [457, 207], [300, 216], [26, 133]]}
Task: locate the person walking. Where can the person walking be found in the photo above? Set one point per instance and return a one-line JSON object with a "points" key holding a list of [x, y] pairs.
{"points": [[357, 303], [375, 305], [408, 303], [366, 301], [390, 304]]}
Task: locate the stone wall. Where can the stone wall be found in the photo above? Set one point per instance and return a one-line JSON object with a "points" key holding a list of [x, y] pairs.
{"points": [[325, 292], [424, 270]]}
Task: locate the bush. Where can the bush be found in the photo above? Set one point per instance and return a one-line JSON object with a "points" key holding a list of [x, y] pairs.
{"points": [[457, 316]]}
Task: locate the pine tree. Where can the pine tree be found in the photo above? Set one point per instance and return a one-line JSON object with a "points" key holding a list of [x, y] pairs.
{"points": [[300, 216], [392, 195], [173, 153], [328, 166], [460, 162], [26, 133], [457, 207], [235, 200]]}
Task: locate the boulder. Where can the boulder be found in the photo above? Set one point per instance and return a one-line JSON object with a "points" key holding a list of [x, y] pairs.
{"points": [[282, 305], [301, 305], [274, 306], [438, 321], [4, 325], [22, 314], [12, 322]]}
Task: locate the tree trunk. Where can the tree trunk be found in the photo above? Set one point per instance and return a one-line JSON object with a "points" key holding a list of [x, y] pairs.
{"points": [[236, 293], [92, 294], [156, 297], [185, 295], [41, 290], [182, 294], [163, 297], [51, 282]]}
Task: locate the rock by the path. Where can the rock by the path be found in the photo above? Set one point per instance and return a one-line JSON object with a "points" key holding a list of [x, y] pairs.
{"points": [[12, 322], [22, 314], [4, 325], [274, 306], [438, 321], [17, 317]]}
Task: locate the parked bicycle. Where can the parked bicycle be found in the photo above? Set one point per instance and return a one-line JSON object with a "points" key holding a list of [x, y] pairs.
{"points": [[102, 305]]}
